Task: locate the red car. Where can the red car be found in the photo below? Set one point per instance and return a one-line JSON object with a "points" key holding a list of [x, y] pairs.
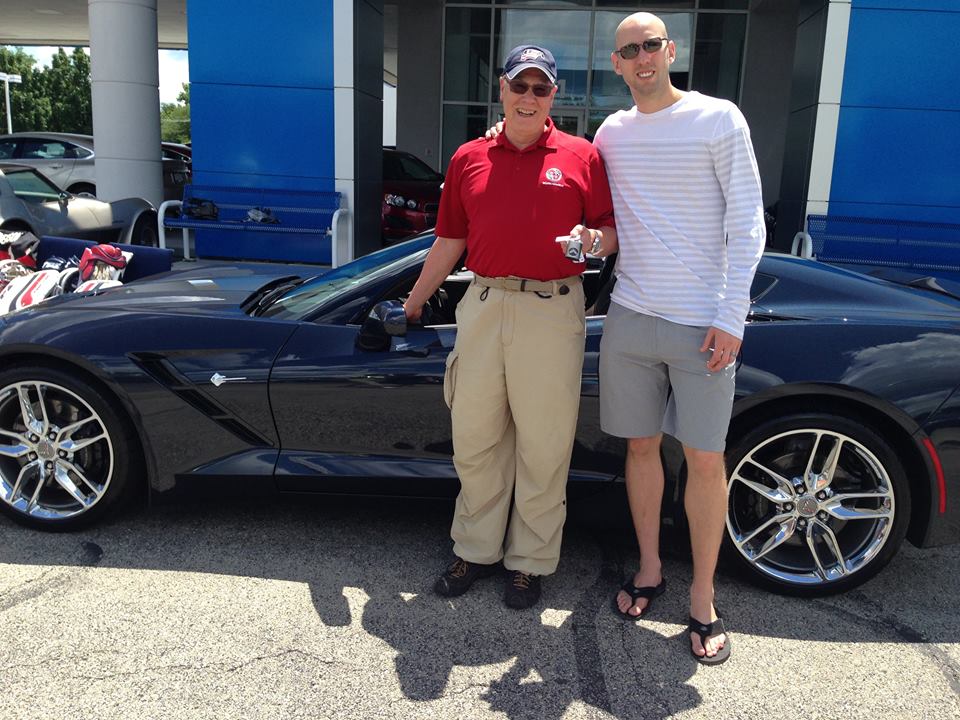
{"points": [[411, 195]]}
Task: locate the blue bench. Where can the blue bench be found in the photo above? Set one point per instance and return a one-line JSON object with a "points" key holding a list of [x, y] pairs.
{"points": [[145, 260], [893, 243], [306, 229]]}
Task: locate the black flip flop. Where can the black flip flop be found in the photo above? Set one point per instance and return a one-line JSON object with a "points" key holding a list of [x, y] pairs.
{"points": [[649, 593], [705, 631]]}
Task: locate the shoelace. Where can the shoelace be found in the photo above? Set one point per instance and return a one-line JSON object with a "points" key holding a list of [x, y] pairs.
{"points": [[521, 581], [459, 568]]}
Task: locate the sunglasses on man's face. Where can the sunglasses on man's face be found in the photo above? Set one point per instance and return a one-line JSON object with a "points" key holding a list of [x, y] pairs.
{"points": [[650, 45], [519, 87]]}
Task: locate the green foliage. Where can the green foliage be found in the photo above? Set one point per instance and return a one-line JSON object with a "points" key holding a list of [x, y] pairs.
{"points": [[28, 99], [55, 99], [175, 118]]}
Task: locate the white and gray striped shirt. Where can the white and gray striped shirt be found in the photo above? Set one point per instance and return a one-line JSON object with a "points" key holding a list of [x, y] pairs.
{"points": [[686, 195]]}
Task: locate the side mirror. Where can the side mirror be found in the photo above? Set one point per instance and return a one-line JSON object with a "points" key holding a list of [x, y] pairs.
{"points": [[386, 320], [64, 197]]}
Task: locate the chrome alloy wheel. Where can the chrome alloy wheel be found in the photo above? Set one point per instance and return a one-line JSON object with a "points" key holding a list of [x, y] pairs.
{"points": [[810, 506], [56, 456]]}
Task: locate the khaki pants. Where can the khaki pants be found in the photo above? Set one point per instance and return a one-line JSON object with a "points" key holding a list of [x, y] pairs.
{"points": [[513, 386]]}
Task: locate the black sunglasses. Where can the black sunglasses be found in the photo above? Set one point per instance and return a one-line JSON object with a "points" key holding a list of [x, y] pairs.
{"points": [[520, 88], [650, 45]]}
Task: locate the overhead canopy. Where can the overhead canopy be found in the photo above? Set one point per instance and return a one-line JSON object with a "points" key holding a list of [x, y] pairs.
{"points": [[65, 22]]}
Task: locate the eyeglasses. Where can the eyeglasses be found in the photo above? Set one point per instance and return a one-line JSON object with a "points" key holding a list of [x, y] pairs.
{"points": [[650, 45], [519, 87]]}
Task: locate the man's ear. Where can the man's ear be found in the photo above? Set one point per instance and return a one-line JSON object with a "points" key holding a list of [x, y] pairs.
{"points": [[615, 61]]}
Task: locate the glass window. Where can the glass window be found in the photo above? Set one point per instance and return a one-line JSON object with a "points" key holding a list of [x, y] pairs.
{"points": [[28, 185], [724, 4], [608, 89], [630, 5], [719, 54], [6, 149], [562, 32], [466, 58], [42, 149], [461, 123], [404, 166]]}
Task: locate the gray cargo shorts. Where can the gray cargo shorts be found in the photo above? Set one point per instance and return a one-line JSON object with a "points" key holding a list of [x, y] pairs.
{"points": [[653, 378]]}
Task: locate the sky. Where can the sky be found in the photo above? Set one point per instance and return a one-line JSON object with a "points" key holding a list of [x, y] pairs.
{"points": [[173, 68]]}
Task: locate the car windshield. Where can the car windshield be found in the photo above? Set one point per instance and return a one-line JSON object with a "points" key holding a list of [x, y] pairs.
{"points": [[403, 166], [31, 186], [303, 299]]}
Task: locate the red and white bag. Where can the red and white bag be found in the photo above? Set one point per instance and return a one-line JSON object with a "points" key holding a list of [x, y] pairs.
{"points": [[28, 290]]}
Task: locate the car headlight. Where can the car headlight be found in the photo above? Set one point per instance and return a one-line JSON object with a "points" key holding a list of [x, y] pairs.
{"points": [[395, 200], [412, 204]]}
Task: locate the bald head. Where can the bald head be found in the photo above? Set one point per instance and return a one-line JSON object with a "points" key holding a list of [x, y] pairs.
{"points": [[641, 21]]}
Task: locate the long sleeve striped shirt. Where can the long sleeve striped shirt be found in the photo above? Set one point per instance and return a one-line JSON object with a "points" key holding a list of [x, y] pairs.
{"points": [[689, 211]]}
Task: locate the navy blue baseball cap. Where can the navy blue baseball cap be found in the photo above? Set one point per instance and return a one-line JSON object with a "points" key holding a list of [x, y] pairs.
{"points": [[523, 57]]}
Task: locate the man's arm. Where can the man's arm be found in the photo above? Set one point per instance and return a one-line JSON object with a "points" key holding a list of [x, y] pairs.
{"points": [[440, 260], [736, 170]]}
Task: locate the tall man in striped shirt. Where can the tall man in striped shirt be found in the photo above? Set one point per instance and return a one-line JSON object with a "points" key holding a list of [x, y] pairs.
{"points": [[686, 194]]}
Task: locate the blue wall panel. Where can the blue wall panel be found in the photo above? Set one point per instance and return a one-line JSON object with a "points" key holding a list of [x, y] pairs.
{"points": [[898, 140], [921, 74], [260, 43], [262, 130], [261, 105]]}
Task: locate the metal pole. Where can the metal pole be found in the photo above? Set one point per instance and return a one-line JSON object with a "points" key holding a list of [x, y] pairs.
{"points": [[7, 79]]}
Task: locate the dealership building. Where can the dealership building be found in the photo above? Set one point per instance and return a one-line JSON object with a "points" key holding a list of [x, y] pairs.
{"points": [[849, 101]]}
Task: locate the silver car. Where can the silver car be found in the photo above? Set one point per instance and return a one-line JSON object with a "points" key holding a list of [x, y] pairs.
{"points": [[30, 202], [68, 160]]}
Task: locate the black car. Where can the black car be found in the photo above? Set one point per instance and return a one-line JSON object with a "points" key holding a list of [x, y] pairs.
{"points": [[845, 437]]}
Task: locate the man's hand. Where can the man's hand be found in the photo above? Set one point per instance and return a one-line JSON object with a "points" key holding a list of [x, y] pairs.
{"points": [[597, 243], [724, 347], [413, 313], [492, 133]]}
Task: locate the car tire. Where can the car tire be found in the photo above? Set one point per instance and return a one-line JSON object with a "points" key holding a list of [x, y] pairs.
{"points": [[66, 453], [145, 231], [799, 528], [84, 189]]}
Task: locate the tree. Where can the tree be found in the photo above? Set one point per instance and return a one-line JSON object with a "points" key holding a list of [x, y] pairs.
{"points": [[29, 102], [175, 118], [67, 83]]}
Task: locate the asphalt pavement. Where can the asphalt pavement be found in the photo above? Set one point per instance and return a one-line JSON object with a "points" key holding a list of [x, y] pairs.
{"points": [[323, 609]]}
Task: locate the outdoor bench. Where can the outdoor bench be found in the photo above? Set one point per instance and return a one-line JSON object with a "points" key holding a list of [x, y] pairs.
{"points": [[306, 223]]}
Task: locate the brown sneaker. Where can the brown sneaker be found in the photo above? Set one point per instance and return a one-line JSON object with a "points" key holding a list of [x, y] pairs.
{"points": [[458, 578], [522, 590]]}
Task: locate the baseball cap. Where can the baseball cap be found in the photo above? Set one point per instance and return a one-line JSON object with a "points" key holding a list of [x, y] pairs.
{"points": [[530, 56]]}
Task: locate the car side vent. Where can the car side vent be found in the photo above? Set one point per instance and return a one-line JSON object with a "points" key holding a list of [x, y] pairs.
{"points": [[157, 367]]}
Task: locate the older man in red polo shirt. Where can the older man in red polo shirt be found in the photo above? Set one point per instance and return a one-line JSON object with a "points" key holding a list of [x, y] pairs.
{"points": [[513, 378]]}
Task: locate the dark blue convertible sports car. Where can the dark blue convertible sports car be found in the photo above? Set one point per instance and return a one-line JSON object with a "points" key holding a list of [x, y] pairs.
{"points": [[845, 437]]}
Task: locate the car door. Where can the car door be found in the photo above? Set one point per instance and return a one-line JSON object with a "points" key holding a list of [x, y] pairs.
{"points": [[50, 157], [47, 212], [344, 413]]}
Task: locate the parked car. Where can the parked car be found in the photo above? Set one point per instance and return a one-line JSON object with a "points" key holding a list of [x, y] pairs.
{"points": [[176, 151], [67, 159], [30, 202], [411, 195], [844, 438]]}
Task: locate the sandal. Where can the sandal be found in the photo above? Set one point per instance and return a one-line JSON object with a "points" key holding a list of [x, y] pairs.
{"points": [[706, 631], [649, 593]]}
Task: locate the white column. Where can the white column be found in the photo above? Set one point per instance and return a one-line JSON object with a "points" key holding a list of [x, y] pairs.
{"points": [[343, 120], [828, 108], [126, 101]]}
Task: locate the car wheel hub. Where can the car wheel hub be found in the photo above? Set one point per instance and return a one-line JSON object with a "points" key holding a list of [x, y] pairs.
{"points": [[809, 506], [56, 457]]}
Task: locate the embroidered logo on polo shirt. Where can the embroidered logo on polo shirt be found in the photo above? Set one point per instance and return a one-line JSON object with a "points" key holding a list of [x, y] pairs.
{"points": [[553, 177]]}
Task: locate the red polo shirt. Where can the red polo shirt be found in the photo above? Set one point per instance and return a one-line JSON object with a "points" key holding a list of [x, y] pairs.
{"points": [[511, 204]]}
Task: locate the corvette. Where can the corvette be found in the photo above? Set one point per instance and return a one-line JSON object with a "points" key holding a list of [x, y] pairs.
{"points": [[845, 438]]}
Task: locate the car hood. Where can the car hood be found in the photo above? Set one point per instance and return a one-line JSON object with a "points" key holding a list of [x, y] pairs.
{"points": [[193, 291], [810, 290]]}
